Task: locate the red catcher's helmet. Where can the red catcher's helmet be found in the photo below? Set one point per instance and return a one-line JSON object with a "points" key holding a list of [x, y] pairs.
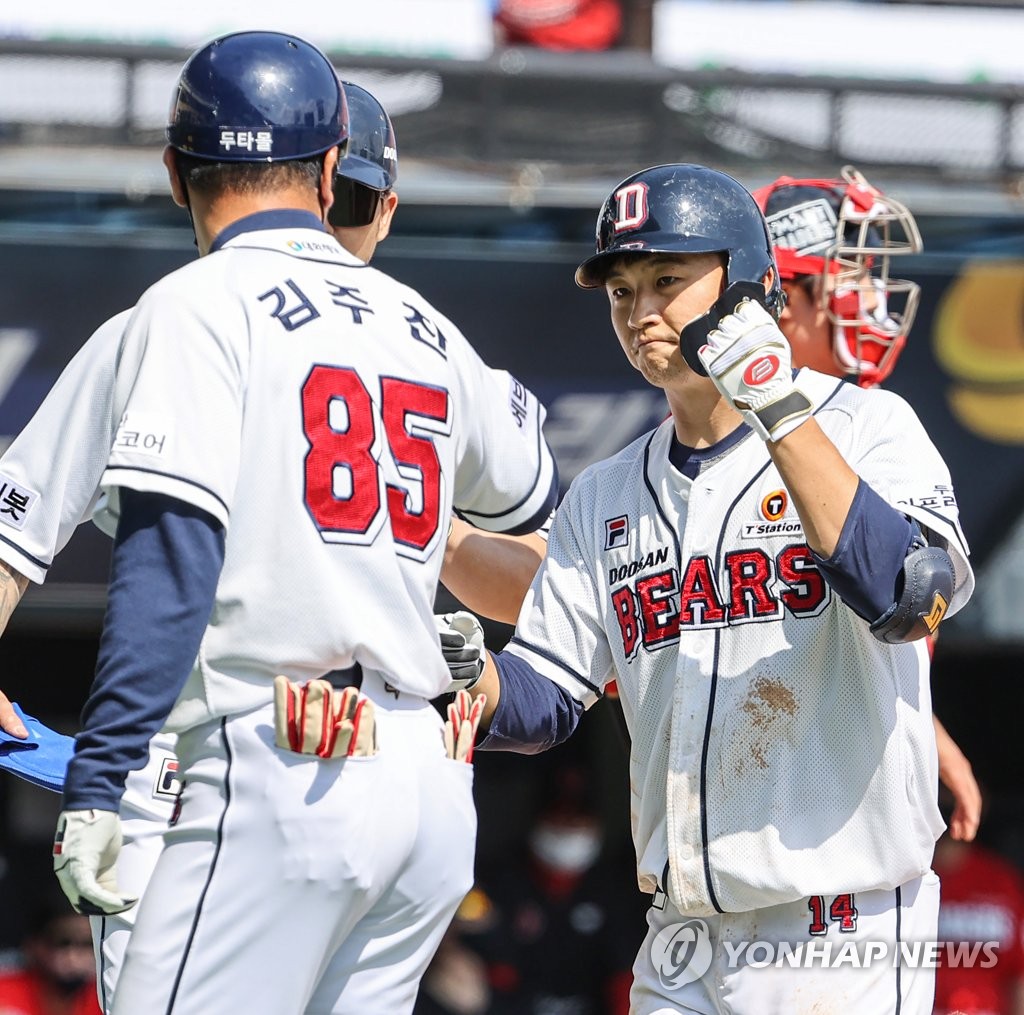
{"points": [[844, 233]]}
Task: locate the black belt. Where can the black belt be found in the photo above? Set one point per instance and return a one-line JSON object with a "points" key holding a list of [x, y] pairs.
{"points": [[351, 676]]}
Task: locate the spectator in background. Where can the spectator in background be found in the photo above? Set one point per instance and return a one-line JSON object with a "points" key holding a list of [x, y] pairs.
{"points": [[59, 973], [456, 981], [560, 24], [982, 901], [567, 925]]}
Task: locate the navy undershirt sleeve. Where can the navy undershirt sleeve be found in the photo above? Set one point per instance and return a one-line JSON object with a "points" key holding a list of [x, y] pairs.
{"points": [[533, 713], [166, 563], [866, 567]]}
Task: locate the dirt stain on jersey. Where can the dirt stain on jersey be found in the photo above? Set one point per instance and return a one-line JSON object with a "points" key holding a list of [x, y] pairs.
{"points": [[768, 703], [833, 1005]]}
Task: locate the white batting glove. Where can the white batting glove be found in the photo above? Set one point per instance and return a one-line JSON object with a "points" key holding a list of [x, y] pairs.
{"points": [[314, 718], [84, 857], [749, 359], [464, 715], [462, 645]]}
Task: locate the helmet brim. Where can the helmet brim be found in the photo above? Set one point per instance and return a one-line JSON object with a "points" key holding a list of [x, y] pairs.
{"points": [[592, 272], [363, 171]]}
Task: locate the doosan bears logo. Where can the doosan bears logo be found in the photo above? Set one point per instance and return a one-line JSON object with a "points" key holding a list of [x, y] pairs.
{"points": [[631, 208]]}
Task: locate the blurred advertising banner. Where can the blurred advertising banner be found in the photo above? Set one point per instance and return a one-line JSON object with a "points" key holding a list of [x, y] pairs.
{"points": [[962, 370], [461, 29], [922, 42]]}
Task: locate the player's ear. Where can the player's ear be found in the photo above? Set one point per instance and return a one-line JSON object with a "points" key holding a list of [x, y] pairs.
{"points": [[328, 168], [389, 202], [177, 187], [769, 278]]}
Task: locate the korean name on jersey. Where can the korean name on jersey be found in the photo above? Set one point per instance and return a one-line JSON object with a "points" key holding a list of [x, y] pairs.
{"points": [[329, 418]]}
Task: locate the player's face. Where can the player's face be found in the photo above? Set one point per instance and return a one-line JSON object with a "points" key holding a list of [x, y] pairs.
{"points": [[807, 326], [362, 240], [63, 954], [652, 297]]}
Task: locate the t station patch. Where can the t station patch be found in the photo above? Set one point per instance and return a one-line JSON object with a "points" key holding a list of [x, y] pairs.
{"points": [[771, 519], [774, 504]]}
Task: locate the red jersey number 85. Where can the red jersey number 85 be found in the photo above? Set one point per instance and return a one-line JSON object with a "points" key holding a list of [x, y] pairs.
{"points": [[342, 472]]}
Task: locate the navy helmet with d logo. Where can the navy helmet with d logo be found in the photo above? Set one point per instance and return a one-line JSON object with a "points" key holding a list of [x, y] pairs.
{"points": [[684, 209]]}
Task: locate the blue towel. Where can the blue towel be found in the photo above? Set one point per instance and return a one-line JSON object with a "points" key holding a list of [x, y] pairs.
{"points": [[42, 758]]}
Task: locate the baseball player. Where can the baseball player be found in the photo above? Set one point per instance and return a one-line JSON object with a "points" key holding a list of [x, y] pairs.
{"points": [[760, 573], [522, 411], [62, 453], [59, 458], [846, 315]]}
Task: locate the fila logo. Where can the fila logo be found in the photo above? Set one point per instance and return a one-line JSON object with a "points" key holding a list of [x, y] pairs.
{"points": [[763, 369], [630, 206], [616, 532], [167, 785], [774, 504]]}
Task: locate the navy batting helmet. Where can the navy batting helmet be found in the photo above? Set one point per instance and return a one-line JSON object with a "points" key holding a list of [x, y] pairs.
{"points": [[257, 97], [370, 168], [684, 209], [372, 158]]}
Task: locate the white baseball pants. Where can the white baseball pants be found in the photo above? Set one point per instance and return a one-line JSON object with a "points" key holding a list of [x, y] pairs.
{"points": [[862, 953], [291, 884], [146, 809]]}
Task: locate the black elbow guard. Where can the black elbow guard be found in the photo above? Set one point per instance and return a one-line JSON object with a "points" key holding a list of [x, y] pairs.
{"points": [[927, 580]]}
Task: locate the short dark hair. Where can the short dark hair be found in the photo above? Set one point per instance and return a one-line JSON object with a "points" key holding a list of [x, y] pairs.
{"points": [[46, 911], [212, 179], [811, 285], [628, 257]]}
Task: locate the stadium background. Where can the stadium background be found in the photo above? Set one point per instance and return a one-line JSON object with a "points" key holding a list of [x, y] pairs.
{"points": [[506, 153]]}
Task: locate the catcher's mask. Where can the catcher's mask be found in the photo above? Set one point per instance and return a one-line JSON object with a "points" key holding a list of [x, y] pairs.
{"points": [[840, 235]]}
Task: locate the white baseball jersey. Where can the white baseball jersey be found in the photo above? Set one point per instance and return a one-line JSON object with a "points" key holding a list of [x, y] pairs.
{"points": [[49, 484], [329, 418], [778, 749], [50, 475]]}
